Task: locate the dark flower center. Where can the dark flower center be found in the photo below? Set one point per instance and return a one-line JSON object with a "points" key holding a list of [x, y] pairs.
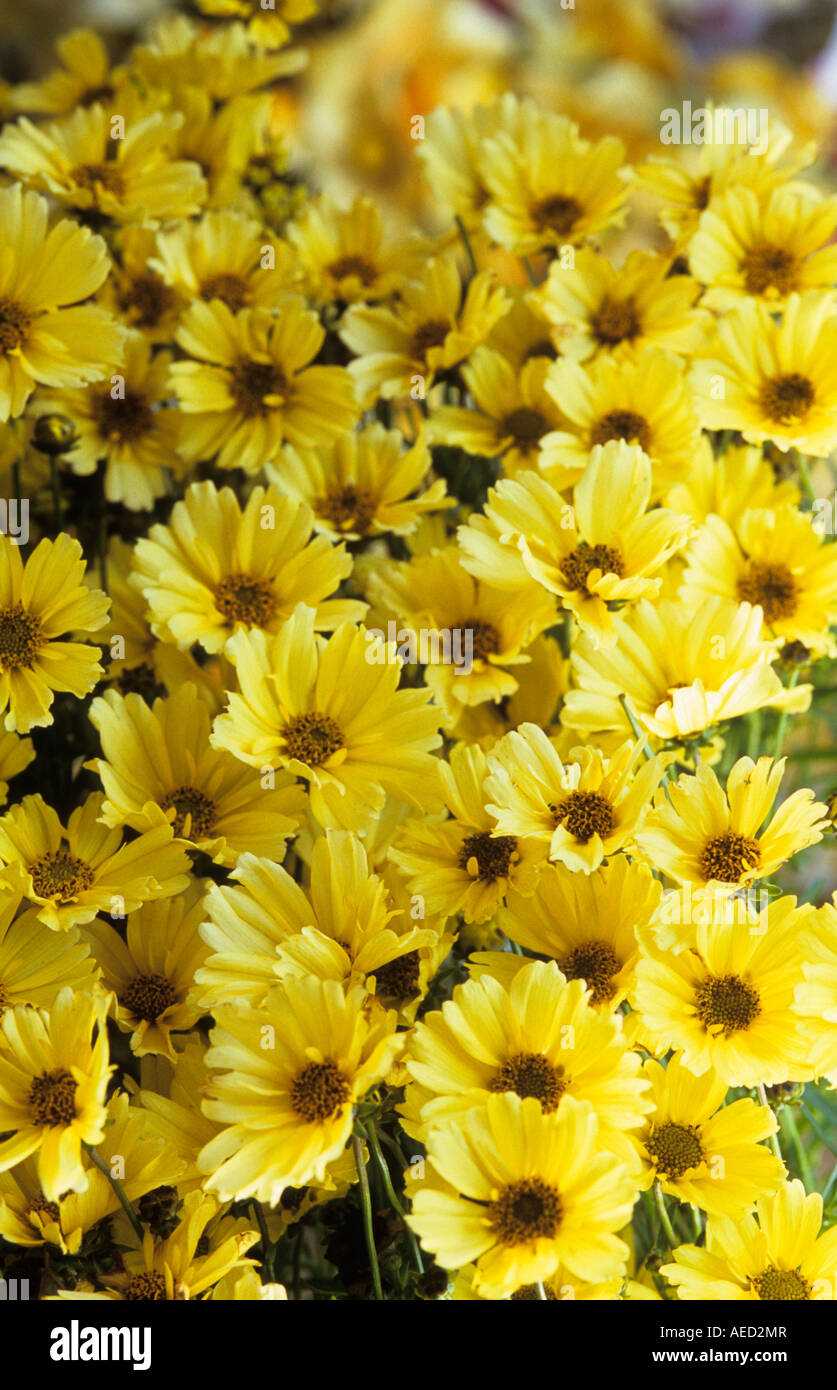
{"points": [[787, 399], [148, 996], [595, 963], [530, 1074], [21, 637], [726, 1004], [52, 1098], [584, 559], [771, 586], [312, 738], [726, 857], [675, 1149], [319, 1091], [494, 854], [527, 1210], [622, 424]]}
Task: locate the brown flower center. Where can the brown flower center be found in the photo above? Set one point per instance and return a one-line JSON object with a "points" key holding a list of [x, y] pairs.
{"points": [[246, 599], [726, 857], [146, 300], [39, 1206], [348, 508], [319, 1092], [123, 418], [530, 1293], [622, 424], [769, 267], [21, 637], [494, 855], [526, 1210], [60, 875], [195, 813], [148, 996], [52, 1098], [726, 1004], [585, 814], [675, 1149], [429, 335], [787, 399], [578, 566], [485, 639], [399, 979], [771, 586], [615, 321], [252, 382], [596, 963], [530, 1074], [15, 323], [557, 214], [98, 179], [313, 738], [781, 1285], [526, 427], [232, 290], [358, 266], [146, 1286]]}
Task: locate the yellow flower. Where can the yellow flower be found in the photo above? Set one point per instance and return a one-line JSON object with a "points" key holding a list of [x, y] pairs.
{"points": [[74, 873], [46, 335], [289, 1104], [773, 380], [250, 387], [520, 1193], [781, 1254], [40, 602], [222, 257], [343, 256], [330, 715], [729, 485], [53, 1079], [702, 1151], [728, 1002], [15, 755], [722, 839], [585, 810], [83, 76], [268, 27], [219, 568], [816, 996], [132, 179]]}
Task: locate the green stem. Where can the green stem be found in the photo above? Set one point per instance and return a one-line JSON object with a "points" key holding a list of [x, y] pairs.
{"points": [[637, 731], [372, 1141], [697, 1224], [527, 265], [789, 1123], [366, 1203], [662, 1211], [119, 1190], [774, 1140], [55, 483], [466, 242], [267, 1244], [783, 719]]}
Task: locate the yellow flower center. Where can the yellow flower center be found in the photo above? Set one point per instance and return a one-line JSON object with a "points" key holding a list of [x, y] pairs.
{"points": [[558, 213], [584, 559], [145, 1286], [313, 738], [52, 1098], [251, 382], [21, 637], [148, 996], [399, 979], [530, 1074], [615, 321], [244, 598], [358, 266], [771, 586], [782, 1285], [15, 323], [494, 855], [622, 424], [348, 508], [60, 875], [123, 419], [319, 1091], [726, 857], [526, 1210], [232, 290], [674, 1149], [786, 400], [726, 1004], [585, 814], [769, 267], [191, 802], [596, 963]]}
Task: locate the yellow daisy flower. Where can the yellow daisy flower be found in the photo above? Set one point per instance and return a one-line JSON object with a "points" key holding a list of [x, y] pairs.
{"points": [[702, 1151], [250, 386], [223, 256], [82, 77], [729, 485], [15, 756], [343, 256], [270, 28], [136, 292], [816, 996], [36, 963]]}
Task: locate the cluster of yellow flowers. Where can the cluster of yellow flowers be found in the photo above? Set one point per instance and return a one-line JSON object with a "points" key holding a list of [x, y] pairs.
{"points": [[399, 634]]}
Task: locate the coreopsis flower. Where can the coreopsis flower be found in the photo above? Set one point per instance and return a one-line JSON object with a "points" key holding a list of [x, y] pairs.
{"points": [[363, 484], [458, 865], [328, 714], [776, 558], [450, 153], [343, 255], [520, 1192], [166, 1099], [270, 28], [219, 568], [74, 872], [722, 838], [765, 247], [158, 765], [514, 411], [47, 336], [597, 309], [585, 810], [770, 380], [683, 668], [548, 187], [434, 325], [644, 401], [728, 1003], [181, 56], [151, 973], [37, 963], [702, 1151], [739, 480], [536, 1037], [589, 924], [816, 995], [136, 178], [41, 602], [288, 1105], [779, 1255], [126, 424], [249, 384], [16, 754], [84, 75], [53, 1077], [223, 256], [601, 550]]}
